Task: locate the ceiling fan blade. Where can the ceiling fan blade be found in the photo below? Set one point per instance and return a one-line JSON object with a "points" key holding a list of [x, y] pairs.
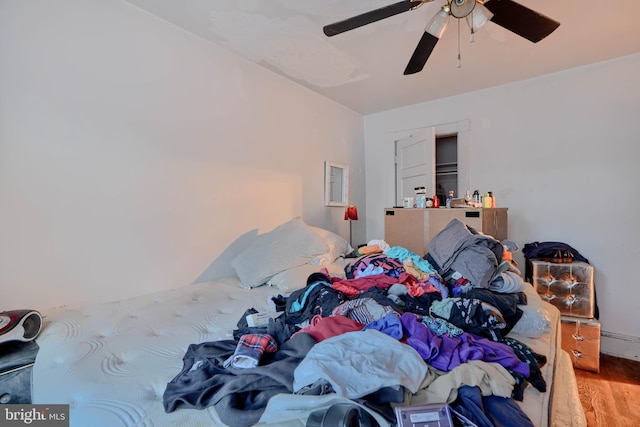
{"points": [[421, 54], [521, 20], [369, 17]]}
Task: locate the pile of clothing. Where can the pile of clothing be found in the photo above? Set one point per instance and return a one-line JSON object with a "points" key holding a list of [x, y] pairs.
{"points": [[416, 325]]}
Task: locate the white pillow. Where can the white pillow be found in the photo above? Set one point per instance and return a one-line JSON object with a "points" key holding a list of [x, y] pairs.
{"points": [[296, 278], [535, 321], [286, 246], [337, 247]]}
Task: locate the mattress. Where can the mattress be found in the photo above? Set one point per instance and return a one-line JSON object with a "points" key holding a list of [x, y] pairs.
{"points": [[560, 405], [111, 362]]}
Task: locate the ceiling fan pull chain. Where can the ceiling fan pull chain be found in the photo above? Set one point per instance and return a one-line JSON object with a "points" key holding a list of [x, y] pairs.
{"points": [[459, 56]]}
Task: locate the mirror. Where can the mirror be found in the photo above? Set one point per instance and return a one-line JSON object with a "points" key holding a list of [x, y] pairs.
{"points": [[336, 184]]}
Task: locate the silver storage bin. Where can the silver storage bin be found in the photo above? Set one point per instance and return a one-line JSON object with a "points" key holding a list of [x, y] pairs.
{"points": [[568, 286]]}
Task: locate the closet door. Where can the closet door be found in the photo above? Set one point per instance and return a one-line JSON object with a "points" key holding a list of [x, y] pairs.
{"points": [[415, 164]]}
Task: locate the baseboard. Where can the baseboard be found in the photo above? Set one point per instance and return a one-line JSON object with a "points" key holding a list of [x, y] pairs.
{"points": [[618, 345]]}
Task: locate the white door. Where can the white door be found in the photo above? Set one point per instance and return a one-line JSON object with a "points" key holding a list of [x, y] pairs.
{"points": [[415, 164]]}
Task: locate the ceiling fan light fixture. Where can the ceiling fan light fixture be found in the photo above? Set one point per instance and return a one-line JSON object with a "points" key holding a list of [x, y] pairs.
{"points": [[461, 8], [438, 23], [478, 17]]}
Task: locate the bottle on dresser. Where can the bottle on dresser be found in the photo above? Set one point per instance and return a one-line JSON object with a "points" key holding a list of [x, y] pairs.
{"points": [[486, 201]]}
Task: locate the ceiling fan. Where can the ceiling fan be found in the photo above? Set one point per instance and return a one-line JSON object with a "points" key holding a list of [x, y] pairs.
{"points": [[510, 15]]}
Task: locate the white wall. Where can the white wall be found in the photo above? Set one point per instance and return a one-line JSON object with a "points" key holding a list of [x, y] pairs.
{"points": [[133, 153], [561, 152]]}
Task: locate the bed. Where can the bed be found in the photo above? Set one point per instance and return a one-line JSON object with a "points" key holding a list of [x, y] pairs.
{"points": [[183, 357]]}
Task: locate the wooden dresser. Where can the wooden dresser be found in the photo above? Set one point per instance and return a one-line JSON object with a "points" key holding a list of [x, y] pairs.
{"points": [[412, 228]]}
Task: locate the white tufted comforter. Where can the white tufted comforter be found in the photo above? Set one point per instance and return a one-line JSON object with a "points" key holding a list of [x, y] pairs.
{"points": [[112, 362]]}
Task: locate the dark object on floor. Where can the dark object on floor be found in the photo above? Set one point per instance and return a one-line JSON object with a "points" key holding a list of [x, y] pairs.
{"points": [[16, 363], [19, 325]]}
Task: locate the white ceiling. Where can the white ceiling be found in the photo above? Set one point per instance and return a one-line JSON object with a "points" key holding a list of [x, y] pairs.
{"points": [[363, 68]]}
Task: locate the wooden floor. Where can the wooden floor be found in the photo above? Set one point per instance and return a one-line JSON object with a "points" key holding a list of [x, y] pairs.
{"points": [[612, 397]]}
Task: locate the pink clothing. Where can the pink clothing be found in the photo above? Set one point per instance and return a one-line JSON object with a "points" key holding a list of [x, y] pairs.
{"points": [[381, 281], [322, 328]]}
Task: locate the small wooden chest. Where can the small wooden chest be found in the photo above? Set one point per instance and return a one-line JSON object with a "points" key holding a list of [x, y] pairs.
{"points": [[581, 339]]}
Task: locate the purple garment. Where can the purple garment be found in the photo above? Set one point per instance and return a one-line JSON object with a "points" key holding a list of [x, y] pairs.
{"points": [[389, 324], [445, 353]]}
